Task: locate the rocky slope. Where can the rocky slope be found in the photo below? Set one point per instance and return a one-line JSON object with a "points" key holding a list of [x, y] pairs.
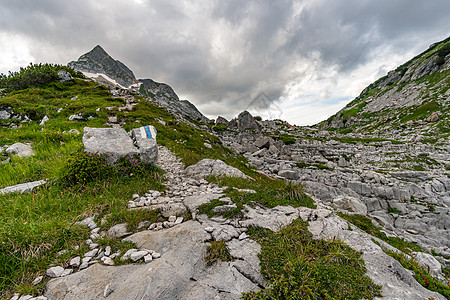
{"points": [[412, 98]]}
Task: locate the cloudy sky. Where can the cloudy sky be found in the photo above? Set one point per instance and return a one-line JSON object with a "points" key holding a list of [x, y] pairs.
{"points": [[299, 60]]}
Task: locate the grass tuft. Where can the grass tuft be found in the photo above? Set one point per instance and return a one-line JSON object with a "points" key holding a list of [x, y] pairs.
{"points": [[300, 267]]}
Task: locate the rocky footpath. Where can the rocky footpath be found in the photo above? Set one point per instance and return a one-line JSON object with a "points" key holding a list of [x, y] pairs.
{"points": [[181, 272]]}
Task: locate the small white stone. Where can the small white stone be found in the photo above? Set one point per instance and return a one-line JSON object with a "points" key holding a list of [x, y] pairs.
{"points": [[108, 290], [108, 250], [209, 229], [156, 255], [179, 220], [88, 242], [140, 204], [55, 271], [75, 262], [107, 261], [138, 255], [135, 196], [91, 253], [148, 258], [93, 246], [94, 236], [25, 297], [95, 230], [172, 218], [86, 259], [15, 296], [128, 253], [243, 236], [62, 252], [66, 272], [84, 265]]}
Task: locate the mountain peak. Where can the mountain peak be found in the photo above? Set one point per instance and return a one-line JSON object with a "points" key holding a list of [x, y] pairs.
{"points": [[99, 62]]}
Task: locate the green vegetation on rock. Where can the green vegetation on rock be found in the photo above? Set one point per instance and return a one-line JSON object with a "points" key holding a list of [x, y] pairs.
{"points": [[300, 267]]}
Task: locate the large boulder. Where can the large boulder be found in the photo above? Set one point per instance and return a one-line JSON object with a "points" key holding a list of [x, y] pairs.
{"points": [[116, 143], [113, 142], [21, 150], [207, 167]]}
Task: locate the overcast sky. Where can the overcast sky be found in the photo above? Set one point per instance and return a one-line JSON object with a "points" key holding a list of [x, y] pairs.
{"points": [[300, 61]]}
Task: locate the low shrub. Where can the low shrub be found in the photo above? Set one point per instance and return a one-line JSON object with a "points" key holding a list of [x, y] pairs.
{"points": [[83, 167], [217, 251], [34, 76]]}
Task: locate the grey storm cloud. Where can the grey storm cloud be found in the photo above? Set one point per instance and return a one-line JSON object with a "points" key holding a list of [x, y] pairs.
{"points": [[222, 55]]}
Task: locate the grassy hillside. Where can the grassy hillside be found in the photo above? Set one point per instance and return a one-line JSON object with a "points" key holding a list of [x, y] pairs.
{"points": [[424, 81]]}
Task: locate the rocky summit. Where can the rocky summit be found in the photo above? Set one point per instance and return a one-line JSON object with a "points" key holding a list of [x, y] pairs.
{"points": [[155, 201]]}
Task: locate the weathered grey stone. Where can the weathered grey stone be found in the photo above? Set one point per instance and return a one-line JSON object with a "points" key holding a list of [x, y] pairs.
{"points": [[75, 262], [4, 115], [64, 76], [207, 167], [113, 142], [289, 174], [108, 290], [224, 232], [23, 187], [145, 139], [138, 255], [118, 231], [273, 219], [262, 142], [350, 204], [55, 271], [429, 263], [20, 149], [44, 119], [193, 202]]}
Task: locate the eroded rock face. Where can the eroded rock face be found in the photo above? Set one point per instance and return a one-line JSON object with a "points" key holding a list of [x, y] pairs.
{"points": [[180, 272]]}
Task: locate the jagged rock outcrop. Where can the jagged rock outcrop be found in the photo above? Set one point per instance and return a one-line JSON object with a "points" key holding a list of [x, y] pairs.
{"points": [[244, 122], [97, 61]]}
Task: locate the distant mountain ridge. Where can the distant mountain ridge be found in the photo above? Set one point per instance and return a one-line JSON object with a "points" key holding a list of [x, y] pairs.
{"points": [[414, 96], [100, 66]]}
